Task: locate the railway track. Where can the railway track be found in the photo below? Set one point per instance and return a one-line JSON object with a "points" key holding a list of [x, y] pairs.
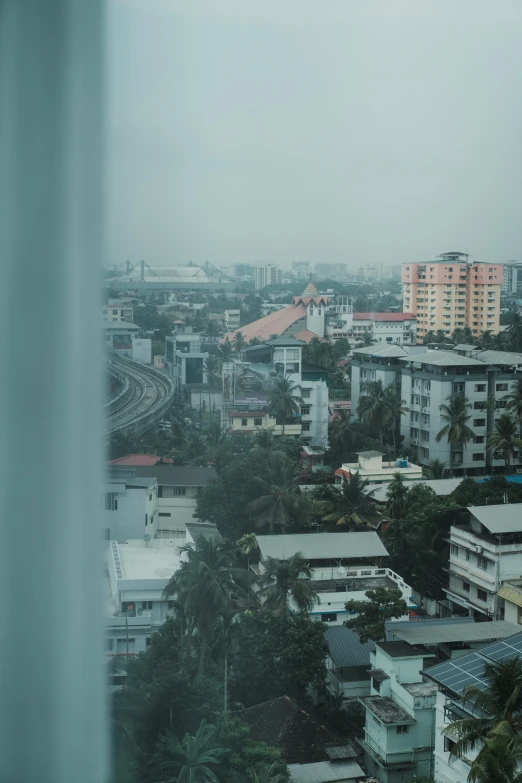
{"points": [[144, 398]]}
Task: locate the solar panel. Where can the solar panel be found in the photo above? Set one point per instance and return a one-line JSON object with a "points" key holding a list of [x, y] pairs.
{"points": [[504, 650], [459, 673]]}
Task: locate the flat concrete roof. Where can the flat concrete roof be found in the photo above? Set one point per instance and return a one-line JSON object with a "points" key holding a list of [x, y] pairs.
{"points": [[158, 560]]}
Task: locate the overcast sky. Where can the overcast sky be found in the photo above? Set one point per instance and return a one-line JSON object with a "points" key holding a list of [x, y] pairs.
{"points": [[358, 131]]}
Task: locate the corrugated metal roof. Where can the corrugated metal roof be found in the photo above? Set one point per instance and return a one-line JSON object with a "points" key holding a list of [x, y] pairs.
{"points": [[423, 633], [326, 772], [501, 518], [442, 359], [322, 546], [509, 593], [346, 648], [441, 487], [382, 350]]}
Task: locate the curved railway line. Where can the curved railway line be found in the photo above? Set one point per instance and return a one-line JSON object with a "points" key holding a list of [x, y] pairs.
{"points": [[143, 399]]}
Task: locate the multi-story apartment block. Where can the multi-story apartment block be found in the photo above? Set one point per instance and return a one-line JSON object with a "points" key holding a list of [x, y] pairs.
{"points": [[453, 292], [430, 378], [512, 282], [267, 275], [117, 311], [301, 269], [185, 358], [370, 273], [130, 505], [485, 552], [344, 566], [326, 270], [399, 730]]}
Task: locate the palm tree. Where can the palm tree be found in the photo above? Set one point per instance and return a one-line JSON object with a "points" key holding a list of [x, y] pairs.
{"points": [[374, 406], [343, 435], [239, 342], [190, 758], [499, 760], [205, 584], [266, 441], [504, 438], [287, 579], [498, 708], [246, 544], [283, 400], [396, 409], [396, 495], [212, 368], [214, 438], [267, 775], [436, 470], [280, 502], [225, 350], [226, 637], [514, 331], [456, 415], [514, 400], [352, 503]]}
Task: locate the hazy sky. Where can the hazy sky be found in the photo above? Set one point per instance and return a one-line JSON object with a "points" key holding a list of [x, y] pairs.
{"points": [[325, 130]]}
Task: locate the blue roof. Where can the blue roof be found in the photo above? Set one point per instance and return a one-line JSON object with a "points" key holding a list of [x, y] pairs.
{"points": [[511, 479]]}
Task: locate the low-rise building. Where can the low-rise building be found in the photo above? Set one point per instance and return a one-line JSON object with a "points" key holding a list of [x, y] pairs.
{"points": [[399, 731], [370, 467], [347, 663], [118, 336], [485, 552], [385, 327], [344, 567], [232, 320], [185, 359], [115, 310], [511, 594], [252, 421], [129, 505]]}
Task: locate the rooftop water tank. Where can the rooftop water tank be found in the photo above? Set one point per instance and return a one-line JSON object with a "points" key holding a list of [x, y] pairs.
{"points": [[402, 463]]}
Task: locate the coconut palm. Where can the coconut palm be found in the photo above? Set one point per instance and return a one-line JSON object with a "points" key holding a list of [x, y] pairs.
{"points": [[214, 438], [498, 707], [266, 441], [279, 503], [283, 400], [514, 331], [344, 437], [212, 368], [396, 409], [396, 496], [514, 400], [351, 503], [246, 544], [239, 342], [226, 637], [204, 585], [436, 470], [504, 439], [287, 579], [267, 775], [455, 413], [499, 760], [374, 407], [188, 761], [225, 350]]}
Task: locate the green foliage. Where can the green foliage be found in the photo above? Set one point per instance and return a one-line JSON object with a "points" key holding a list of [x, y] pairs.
{"points": [[504, 438], [283, 401], [243, 757], [285, 579], [277, 656], [384, 603], [349, 507], [490, 491], [280, 504], [191, 760]]}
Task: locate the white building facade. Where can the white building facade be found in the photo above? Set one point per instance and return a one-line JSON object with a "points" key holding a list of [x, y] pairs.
{"points": [[129, 506]]}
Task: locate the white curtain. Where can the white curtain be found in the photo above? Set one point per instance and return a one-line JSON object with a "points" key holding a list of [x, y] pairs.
{"points": [[53, 724]]}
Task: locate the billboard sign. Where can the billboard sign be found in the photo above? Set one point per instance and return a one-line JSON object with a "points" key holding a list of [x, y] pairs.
{"points": [[250, 386]]}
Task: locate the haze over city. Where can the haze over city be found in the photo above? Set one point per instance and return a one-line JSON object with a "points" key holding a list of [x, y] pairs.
{"points": [[362, 133]]}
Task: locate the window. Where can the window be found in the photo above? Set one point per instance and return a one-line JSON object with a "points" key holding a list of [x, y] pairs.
{"points": [[478, 457], [465, 586], [244, 422], [482, 563], [480, 387], [146, 604], [330, 617], [403, 729], [150, 497], [478, 405], [305, 410], [376, 685], [479, 439], [468, 554], [258, 422], [454, 549], [148, 640], [479, 422], [305, 426], [458, 388], [482, 595], [501, 387], [165, 514], [305, 393], [109, 645], [448, 744], [110, 501], [146, 520], [179, 491], [501, 404]]}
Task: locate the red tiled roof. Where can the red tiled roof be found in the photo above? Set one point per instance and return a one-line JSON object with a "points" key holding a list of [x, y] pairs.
{"points": [[383, 317], [140, 460], [246, 414], [305, 335], [274, 323], [342, 473]]}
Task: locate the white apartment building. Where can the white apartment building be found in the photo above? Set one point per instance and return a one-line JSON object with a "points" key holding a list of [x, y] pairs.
{"points": [[371, 468], [428, 379], [185, 358], [344, 566], [136, 574], [177, 492], [129, 506], [268, 274], [451, 678], [376, 363], [385, 327], [399, 730], [485, 552], [512, 280], [115, 310], [511, 594], [232, 320]]}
